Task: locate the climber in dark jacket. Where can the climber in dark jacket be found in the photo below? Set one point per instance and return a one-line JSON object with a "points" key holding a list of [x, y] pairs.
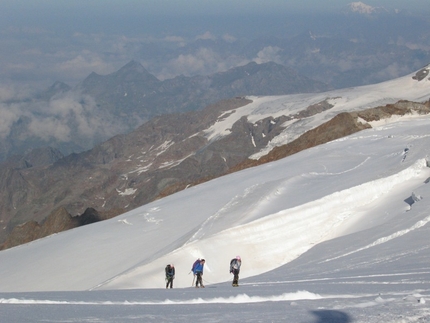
{"points": [[170, 275], [235, 264]]}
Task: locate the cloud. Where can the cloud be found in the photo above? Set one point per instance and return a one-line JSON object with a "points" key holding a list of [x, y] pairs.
{"points": [[66, 118], [413, 45], [268, 54], [72, 112], [176, 39], [9, 116], [49, 128], [392, 71], [13, 92], [20, 67], [12, 106], [344, 64], [47, 120], [191, 64], [83, 63], [229, 38], [203, 62], [206, 36]]}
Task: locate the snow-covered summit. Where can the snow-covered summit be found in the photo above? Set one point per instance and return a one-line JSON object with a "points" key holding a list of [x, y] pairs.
{"points": [[362, 8]]}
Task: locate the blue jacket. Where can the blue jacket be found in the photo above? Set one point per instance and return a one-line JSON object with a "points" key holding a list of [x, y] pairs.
{"points": [[198, 268]]}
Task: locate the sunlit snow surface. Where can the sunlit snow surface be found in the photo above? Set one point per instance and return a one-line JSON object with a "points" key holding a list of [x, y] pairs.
{"points": [[336, 233]]}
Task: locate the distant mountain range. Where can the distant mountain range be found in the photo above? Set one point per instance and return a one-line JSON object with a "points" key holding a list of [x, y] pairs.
{"points": [[362, 45], [174, 151], [101, 106]]}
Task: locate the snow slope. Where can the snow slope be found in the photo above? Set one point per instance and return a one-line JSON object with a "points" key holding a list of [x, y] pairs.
{"points": [[336, 233]]}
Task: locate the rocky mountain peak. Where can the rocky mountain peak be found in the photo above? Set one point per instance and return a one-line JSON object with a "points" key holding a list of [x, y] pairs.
{"points": [[43, 156], [56, 88], [134, 71]]}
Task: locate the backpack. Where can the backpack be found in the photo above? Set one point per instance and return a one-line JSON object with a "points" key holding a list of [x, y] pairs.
{"points": [[234, 264], [195, 264], [167, 269]]}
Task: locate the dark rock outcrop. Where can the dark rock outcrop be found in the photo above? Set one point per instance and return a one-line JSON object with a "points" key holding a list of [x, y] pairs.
{"points": [[422, 74], [58, 221]]}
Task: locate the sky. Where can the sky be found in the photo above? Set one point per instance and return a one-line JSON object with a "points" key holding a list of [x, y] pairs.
{"points": [[338, 233], [112, 8]]}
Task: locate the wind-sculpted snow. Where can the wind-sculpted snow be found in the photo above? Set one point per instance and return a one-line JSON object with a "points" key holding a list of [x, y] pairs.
{"points": [[397, 234], [237, 299], [273, 229]]}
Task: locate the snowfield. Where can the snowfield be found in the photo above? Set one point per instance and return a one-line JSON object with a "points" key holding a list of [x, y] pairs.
{"points": [[337, 233]]}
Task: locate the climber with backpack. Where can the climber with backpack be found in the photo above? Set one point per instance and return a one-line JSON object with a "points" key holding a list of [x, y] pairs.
{"points": [[198, 272], [235, 264], [170, 275]]}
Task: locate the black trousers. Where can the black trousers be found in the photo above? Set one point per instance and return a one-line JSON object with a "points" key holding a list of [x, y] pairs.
{"points": [[169, 282], [236, 276], [199, 279]]}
